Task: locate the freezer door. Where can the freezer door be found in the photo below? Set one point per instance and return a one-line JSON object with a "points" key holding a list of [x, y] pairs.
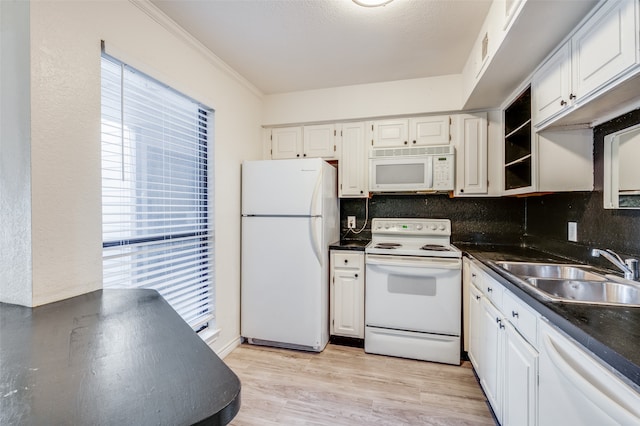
{"points": [[282, 187], [284, 288]]}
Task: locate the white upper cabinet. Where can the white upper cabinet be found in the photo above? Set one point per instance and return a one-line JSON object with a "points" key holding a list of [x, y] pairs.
{"points": [[304, 142], [319, 141], [605, 47], [432, 130], [353, 170], [471, 154], [286, 142], [551, 86], [418, 131], [600, 55]]}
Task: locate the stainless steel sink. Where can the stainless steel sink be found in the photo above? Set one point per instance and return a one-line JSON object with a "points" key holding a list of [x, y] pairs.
{"points": [[574, 283], [552, 270], [579, 291]]}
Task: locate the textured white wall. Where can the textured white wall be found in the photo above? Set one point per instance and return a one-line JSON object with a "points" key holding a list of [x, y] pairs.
{"points": [[419, 96], [65, 113], [15, 180]]}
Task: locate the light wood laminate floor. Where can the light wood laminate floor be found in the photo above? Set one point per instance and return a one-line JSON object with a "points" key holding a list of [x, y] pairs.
{"points": [[345, 386]]}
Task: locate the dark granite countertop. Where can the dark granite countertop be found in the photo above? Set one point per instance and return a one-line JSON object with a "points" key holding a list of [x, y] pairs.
{"points": [[354, 245], [610, 332], [110, 357]]}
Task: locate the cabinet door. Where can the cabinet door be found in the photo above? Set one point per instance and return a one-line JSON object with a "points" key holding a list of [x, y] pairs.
{"points": [[319, 141], [286, 142], [492, 355], [550, 86], [353, 166], [605, 47], [471, 154], [390, 133], [348, 315], [475, 327], [520, 380], [429, 130]]}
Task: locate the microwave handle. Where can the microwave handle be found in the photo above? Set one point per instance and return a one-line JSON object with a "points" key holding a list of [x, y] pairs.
{"points": [[429, 171]]}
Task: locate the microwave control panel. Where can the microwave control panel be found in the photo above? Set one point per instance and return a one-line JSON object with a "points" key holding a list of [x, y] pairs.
{"points": [[443, 169]]}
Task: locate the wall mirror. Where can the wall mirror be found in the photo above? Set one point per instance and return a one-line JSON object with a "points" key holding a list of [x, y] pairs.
{"points": [[622, 169]]}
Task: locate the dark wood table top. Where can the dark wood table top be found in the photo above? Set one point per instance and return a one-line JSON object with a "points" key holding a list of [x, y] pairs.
{"points": [[110, 357]]}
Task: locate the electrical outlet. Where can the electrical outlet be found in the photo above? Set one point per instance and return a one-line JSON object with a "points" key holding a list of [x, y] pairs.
{"points": [[351, 222], [572, 231]]}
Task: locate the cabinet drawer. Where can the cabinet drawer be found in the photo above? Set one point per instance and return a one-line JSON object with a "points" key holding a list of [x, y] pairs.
{"points": [[493, 290], [521, 316], [349, 260]]}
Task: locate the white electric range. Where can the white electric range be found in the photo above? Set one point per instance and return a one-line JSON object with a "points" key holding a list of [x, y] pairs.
{"points": [[413, 290]]}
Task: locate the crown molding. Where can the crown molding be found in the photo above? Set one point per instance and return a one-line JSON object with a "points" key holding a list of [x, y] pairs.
{"points": [[170, 25]]}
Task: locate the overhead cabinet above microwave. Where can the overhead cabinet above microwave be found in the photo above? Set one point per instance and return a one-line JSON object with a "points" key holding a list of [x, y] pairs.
{"points": [[417, 131]]}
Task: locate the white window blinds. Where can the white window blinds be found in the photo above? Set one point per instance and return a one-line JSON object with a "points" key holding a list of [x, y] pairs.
{"points": [[157, 223]]}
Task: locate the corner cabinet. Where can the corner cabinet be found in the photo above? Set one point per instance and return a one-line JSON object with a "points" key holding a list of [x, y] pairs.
{"points": [[347, 294], [518, 149], [317, 141], [353, 167], [536, 162]]}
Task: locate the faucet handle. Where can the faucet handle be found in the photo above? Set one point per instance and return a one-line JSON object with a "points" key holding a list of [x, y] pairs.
{"points": [[632, 264]]}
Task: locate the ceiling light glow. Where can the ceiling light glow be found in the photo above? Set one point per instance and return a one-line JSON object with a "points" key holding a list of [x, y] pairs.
{"points": [[371, 3]]}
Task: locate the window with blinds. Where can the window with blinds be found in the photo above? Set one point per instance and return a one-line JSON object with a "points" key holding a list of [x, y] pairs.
{"points": [[156, 199]]}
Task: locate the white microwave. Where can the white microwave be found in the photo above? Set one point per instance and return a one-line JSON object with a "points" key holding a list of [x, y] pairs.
{"points": [[415, 169]]}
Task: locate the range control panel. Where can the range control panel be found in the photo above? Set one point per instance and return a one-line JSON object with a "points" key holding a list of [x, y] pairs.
{"points": [[440, 227]]}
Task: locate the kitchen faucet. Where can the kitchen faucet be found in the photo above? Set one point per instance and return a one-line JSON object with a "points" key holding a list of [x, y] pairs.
{"points": [[628, 266]]}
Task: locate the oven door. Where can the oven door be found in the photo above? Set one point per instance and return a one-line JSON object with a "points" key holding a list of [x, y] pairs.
{"points": [[413, 293]]}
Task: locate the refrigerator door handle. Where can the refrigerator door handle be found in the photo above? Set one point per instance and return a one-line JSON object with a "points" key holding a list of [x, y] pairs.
{"points": [[315, 239], [314, 197]]}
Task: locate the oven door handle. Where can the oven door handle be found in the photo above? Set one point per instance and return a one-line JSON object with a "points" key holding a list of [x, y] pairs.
{"points": [[413, 262]]}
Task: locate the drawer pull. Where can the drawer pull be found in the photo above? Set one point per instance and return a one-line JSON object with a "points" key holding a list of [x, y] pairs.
{"points": [[515, 314], [489, 289], [473, 275], [477, 297]]}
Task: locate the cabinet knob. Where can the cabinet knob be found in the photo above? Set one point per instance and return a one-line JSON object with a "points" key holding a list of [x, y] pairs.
{"points": [[477, 297], [473, 275], [563, 102], [414, 142], [515, 314], [406, 143], [362, 192], [572, 96], [498, 320], [356, 275], [304, 155], [489, 289], [346, 261], [297, 155], [461, 190]]}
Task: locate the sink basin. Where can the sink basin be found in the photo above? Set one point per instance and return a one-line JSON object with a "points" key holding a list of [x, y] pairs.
{"points": [[552, 270], [573, 283], [580, 291]]}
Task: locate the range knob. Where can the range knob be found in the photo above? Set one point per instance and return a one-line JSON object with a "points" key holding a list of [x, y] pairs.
{"points": [[433, 227], [418, 227], [441, 227], [386, 226]]}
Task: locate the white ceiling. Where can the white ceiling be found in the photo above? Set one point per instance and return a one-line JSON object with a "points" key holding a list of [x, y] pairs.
{"points": [[290, 45]]}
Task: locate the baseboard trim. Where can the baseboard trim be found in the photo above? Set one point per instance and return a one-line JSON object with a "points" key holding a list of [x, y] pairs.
{"points": [[229, 347]]}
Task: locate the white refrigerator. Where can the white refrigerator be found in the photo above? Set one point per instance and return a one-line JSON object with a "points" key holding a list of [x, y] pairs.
{"points": [[289, 218]]}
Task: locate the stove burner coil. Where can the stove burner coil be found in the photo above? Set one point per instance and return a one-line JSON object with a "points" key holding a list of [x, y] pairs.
{"points": [[434, 247], [388, 246]]}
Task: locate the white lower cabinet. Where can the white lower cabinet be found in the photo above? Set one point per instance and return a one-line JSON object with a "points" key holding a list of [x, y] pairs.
{"points": [[505, 361], [492, 355], [347, 294], [519, 405]]}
